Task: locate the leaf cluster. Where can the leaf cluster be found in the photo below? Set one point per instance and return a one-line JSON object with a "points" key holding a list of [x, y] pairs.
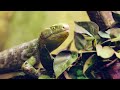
{"points": [[97, 55]]}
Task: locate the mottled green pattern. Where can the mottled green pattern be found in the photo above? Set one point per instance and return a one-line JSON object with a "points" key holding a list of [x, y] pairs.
{"points": [[13, 58]]}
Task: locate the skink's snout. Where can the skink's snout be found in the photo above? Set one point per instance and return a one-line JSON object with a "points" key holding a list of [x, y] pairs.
{"points": [[66, 27]]}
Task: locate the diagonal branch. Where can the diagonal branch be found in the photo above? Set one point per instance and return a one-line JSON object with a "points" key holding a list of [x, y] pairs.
{"points": [[12, 59], [104, 19]]}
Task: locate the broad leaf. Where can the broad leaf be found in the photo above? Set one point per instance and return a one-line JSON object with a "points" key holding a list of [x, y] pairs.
{"points": [[89, 62], [63, 60], [103, 34], [104, 52], [117, 54], [85, 33], [114, 34], [88, 27], [80, 41]]}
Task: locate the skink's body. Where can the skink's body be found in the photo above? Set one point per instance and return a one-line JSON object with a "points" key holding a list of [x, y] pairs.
{"points": [[51, 38]]}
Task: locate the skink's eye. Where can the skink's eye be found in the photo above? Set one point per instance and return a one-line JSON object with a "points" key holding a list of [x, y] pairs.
{"points": [[53, 28]]}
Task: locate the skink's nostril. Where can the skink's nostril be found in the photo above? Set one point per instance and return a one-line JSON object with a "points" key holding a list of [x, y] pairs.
{"points": [[66, 26]]}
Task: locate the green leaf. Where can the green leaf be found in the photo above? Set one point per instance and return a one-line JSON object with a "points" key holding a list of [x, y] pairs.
{"points": [[117, 54], [44, 77], [114, 34], [87, 27], [85, 33], [103, 34], [104, 52], [89, 62], [76, 72], [80, 41], [63, 60], [79, 72]]}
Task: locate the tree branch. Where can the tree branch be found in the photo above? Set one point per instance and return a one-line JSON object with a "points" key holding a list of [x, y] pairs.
{"points": [[104, 19], [12, 59]]}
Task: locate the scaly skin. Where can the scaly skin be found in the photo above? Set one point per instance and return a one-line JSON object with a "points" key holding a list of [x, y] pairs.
{"points": [[51, 38], [12, 59]]}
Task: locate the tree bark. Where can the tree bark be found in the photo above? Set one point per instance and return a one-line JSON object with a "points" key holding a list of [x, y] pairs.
{"points": [[104, 19]]}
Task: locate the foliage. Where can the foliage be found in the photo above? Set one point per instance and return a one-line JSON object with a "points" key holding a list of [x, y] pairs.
{"points": [[63, 61], [97, 54]]}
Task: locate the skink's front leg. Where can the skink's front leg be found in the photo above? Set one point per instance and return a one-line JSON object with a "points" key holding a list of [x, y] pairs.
{"points": [[28, 67]]}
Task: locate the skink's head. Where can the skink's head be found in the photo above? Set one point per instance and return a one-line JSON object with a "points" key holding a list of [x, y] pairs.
{"points": [[54, 36]]}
